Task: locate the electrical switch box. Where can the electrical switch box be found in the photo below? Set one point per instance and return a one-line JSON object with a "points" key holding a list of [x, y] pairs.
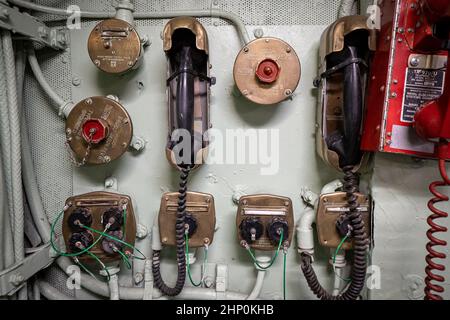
{"points": [[260, 218], [200, 218], [408, 70], [331, 211], [104, 212]]}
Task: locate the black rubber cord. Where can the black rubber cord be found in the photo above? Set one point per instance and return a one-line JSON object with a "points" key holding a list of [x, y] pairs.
{"points": [[180, 242], [360, 242]]}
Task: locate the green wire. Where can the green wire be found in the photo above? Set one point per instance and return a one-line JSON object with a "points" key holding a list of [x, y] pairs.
{"points": [[118, 240], [274, 257], [108, 277], [186, 240], [125, 259], [339, 247], [85, 268], [65, 254], [284, 274], [334, 257]]}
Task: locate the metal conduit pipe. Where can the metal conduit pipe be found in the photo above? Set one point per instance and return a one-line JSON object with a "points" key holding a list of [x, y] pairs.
{"points": [[16, 164], [61, 106], [125, 10], [258, 285], [5, 135], [2, 208], [217, 13], [28, 174], [132, 293], [348, 8], [50, 292]]}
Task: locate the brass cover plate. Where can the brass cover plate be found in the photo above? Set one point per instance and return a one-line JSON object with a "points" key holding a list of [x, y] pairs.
{"points": [[200, 206], [248, 60], [98, 202], [114, 46], [185, 23], [330, 102], [330, 208], [120, 130], [265, 207]]}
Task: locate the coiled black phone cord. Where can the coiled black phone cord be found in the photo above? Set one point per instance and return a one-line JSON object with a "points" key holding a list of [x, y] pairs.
{"points": [[360, 246], [180, 242]]}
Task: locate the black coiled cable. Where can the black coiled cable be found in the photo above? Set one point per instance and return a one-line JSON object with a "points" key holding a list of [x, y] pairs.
{"points": [[179, 233], [360, 243]]}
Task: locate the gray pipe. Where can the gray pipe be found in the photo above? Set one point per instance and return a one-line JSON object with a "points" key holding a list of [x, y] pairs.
{"points": [[233, 18], [16, 166], [5, 133], [50, 292], [5, 141]]}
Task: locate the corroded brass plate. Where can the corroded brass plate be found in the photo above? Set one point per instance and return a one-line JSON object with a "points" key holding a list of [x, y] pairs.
{"points": [[98, 203], [276, 52], [114, 46], [265, 207], [107, 112], [331, 206], [200, 206]]}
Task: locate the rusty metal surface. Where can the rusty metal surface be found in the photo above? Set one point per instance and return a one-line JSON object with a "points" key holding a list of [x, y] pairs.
{"points": [[328, 212], [265, 207], [120, 130], [98, 202], [200, 206], [248, 60], [114, 46]]}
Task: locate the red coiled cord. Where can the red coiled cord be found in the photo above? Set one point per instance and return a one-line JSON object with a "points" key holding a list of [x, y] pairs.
{"points": [[432, 289]]}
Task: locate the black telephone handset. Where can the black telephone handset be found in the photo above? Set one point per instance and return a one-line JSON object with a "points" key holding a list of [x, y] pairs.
{"points": [[347, 143], [341, 116], [186, 47], [188, 99]]}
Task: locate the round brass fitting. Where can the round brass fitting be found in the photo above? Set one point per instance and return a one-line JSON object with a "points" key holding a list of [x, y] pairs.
{"points": [[98, 130], [267, 71], [114, 46]]}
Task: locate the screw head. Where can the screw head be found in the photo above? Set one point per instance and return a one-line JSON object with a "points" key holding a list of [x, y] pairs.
{"points": [[414, 62]]}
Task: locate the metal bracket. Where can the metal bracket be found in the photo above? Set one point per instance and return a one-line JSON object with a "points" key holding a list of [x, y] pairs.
{"points": [[13, 278], [23, 23]]}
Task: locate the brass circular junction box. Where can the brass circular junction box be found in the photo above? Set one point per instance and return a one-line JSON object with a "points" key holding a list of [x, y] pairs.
{"points": [[114, 46], [267, 71], [98, 130]]}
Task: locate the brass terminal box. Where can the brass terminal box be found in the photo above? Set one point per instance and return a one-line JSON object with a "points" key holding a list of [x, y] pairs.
{"points": [[95, 210], [331, 208], [267, 71], [259, 219], [98, 131], [201, 218], [114, 46]]}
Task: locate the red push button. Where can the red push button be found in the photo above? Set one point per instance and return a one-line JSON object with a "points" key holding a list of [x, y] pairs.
{"points": [[94, 130], [267, 71]]}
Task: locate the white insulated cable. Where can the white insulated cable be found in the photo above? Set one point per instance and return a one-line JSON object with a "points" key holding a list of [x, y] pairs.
{"points": [[217, 13]]}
